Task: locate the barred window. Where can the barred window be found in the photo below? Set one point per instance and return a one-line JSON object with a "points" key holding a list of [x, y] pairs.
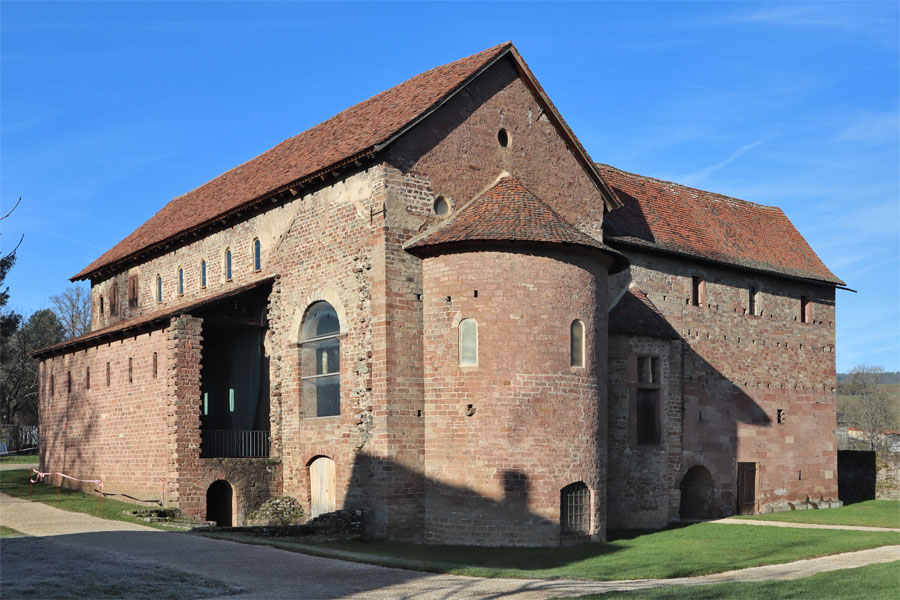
{"points": [[575, 509]]}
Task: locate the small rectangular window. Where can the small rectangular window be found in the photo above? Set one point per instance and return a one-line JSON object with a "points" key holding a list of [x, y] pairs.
{"points": [[205, 403], [133, 291], [101, 304], [87, 378], [698, 291], [648, 417], [648, 369], [130, 371], [52, 386], [68, 382], [805, 310], [751, 301], [155, 365], [230, 399], [108, 375], [468, 343]]}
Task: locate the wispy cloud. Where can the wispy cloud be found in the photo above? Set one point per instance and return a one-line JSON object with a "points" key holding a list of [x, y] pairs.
{"points": [[698, 176], [872, 129]]}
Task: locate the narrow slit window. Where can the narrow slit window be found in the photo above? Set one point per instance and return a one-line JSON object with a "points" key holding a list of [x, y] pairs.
{"points": [[205, 403], [155, 365], [52, 385], [158, 288], [230, 399], [130, 370], [751, 301], [87, 378], [133, 291], [228, 265], [68, 382], [257, 255], [576, 344], [180, 281], [468, 343], [108, 375], [114, 300], [805, 310], [203, 273], [698, 291], [101, 304]]}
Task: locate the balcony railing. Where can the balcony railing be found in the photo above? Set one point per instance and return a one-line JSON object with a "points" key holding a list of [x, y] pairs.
{"points": [[226, 443]]}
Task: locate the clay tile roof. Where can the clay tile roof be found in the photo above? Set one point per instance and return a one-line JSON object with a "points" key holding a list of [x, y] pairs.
{"points": [[676, 218], [635, 314], [508, 212], [351, 133]]}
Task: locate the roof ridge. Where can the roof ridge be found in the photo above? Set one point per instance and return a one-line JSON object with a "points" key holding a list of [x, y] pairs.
{"points": [[688, 187]]}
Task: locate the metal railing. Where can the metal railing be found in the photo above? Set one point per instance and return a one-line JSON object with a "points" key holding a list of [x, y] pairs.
{"points": [[227, 443]]}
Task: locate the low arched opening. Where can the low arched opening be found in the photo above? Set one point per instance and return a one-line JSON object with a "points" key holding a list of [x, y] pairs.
{"points": [[697, 494], [219, 502]]}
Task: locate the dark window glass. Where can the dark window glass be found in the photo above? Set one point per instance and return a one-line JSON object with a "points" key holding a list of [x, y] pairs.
{"points": [[648, 417], [228, 265], [202, 273], [257, 255]]}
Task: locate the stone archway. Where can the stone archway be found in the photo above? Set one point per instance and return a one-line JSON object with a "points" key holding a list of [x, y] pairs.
{"points": [[219, 503], [321, 486], [697, 494]]}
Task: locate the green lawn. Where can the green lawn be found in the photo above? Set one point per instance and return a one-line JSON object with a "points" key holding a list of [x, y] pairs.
{"points": [[677, 552], [6, 532], [874, 582], [871, 513], [19, 459], [16, 483]]}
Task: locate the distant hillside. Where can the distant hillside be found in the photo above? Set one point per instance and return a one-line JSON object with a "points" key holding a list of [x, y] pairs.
{"points": [[892, 377]]}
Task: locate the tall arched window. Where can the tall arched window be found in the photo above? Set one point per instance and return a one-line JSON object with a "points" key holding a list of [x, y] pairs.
{"points": [[320, 361], [257, 255], [158, 288], [468, 342], [180, 281], [228, 264], [576, 344], [203, 273]]}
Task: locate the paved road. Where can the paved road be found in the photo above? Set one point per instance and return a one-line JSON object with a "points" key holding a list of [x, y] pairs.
{"points": [[264, 572], [17, 466]]}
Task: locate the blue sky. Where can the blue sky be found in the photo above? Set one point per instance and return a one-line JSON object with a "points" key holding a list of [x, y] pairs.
{"points": [[111, 109]]}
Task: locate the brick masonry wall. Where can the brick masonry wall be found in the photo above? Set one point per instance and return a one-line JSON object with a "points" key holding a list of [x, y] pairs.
{"points": [[117, 432], [538, 424], [640, 477], [739, 370]]}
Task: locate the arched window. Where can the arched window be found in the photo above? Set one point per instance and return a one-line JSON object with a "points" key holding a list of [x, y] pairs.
{"points": [[203, 273], [576, 344], [228, 264], [180, 281], [257, 255], [468, 343], [575, 509], [320, 361], [158, 288]]}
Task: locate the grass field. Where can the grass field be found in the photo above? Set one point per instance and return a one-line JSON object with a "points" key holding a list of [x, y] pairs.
{"points": [[874, 582], [6, 532], [871, 513], [677, 552], [19, 459], [16, 483]]}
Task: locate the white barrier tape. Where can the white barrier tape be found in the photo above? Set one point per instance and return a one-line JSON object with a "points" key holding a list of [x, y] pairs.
{"points": [[42, 475]]}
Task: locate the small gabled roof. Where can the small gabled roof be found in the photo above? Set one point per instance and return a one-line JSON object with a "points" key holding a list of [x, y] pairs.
{"points": [[354, 134], [508, 212], [667, 216], [635, 314]]}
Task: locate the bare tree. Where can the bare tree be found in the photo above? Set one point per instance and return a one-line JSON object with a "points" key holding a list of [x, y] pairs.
{"points": [[873, 408], [19, 372], [73, 309]]}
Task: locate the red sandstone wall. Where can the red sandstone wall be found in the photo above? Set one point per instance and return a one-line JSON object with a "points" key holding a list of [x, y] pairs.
{"points": [[739, 370], [495, 477], [116, 432]]}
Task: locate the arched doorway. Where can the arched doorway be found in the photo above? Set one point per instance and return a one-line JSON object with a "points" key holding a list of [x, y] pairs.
{"points": [[697, 494], [321, 486], [219, 498]]}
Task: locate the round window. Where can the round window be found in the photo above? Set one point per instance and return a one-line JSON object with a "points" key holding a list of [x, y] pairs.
{"points": [[441, 206], [503, 138]]}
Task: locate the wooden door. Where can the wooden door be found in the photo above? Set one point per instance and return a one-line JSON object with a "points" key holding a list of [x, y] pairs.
{"points": [[321, 486], [746, 488]]}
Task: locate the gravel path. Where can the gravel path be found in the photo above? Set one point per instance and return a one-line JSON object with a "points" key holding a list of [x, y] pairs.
{"points": [[800, 525], [265, 572]]}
